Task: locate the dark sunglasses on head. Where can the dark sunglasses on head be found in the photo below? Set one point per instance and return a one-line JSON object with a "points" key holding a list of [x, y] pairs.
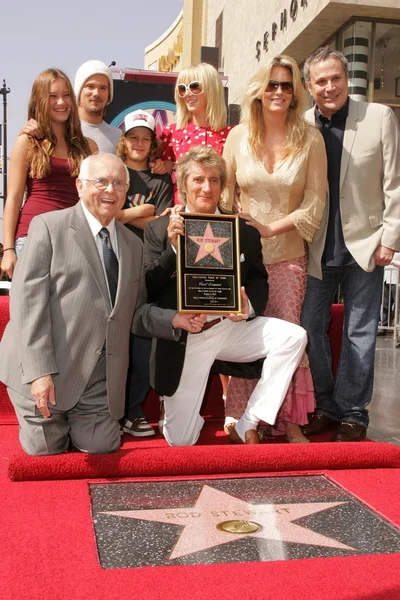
{"points": [[194, 87], [286, 86]]}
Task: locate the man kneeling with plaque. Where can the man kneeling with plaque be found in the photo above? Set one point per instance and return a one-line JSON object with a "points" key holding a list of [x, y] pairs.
{"points": [[180, 368]]}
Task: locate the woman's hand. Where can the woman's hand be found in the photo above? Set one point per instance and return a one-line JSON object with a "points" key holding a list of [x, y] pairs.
{"points": [[8, 263], [264, 230]]}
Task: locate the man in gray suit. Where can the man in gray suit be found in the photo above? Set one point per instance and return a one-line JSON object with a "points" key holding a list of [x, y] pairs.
{"points": [[64, 353], [358, 238]]}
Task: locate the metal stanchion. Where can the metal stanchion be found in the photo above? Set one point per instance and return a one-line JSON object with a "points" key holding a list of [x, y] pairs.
{"points": [[396, 313], [4, 91]]}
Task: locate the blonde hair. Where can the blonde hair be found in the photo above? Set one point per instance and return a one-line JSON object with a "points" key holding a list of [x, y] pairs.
{"points": [[212, 88], [251, 108], [206, 156], [42, 149]]}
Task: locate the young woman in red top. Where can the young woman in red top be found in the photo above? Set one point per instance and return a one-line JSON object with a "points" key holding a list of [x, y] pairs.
{"points": [[45, 168]]}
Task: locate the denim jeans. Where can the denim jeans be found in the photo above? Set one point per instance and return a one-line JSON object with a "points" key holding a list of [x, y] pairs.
{"points": [[19, 244], [346, 397]]}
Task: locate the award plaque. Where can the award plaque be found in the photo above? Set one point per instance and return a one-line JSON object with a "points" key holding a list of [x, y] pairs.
{"points": [[208, 264]]}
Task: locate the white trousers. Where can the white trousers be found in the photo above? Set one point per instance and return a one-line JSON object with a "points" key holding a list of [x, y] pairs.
{"points": [[282, 344]]}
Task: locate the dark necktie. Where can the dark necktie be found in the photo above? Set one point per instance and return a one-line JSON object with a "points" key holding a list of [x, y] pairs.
{"points": [[110, 263]]}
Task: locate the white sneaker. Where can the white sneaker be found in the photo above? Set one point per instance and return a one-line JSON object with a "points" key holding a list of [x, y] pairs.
{"points": [[139, 427]]}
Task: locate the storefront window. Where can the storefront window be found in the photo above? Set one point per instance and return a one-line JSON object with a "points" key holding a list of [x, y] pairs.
{"points": [[387, 66]]}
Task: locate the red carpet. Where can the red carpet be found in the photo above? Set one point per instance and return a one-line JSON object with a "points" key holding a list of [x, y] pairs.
{"points": [[49, 549], [206, 460]]}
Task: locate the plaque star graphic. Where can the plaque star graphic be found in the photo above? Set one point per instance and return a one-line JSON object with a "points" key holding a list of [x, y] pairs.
{"points": [[214, 507], [209, 244]]}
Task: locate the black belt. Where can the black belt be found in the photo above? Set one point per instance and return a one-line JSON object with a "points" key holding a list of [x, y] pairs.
{"points": [[209, 324]]}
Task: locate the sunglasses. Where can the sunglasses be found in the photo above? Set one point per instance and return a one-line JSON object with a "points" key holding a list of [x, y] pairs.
{"points": [[286, 86], [194, 87]]}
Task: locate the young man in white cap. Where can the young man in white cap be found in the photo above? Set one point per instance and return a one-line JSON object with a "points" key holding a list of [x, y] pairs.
{"points": [[94, 89]]}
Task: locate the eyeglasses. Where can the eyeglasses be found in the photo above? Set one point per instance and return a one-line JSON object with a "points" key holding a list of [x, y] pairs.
{"points": [[286, 86], [102, 184], [194, 87]]}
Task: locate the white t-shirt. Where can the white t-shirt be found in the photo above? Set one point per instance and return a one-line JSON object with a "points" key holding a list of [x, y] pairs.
{"points": [[106, 136]]}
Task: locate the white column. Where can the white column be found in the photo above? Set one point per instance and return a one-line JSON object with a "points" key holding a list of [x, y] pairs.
{"points": [[356, 49]]}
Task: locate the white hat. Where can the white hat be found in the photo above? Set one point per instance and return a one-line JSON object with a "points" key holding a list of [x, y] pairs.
{"points": [[89, 68], [139, 118]]}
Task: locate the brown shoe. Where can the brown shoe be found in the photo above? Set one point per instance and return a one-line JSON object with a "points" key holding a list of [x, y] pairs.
{"points": [[349, 432], [293, 434], [319, 424], [251, 437]]}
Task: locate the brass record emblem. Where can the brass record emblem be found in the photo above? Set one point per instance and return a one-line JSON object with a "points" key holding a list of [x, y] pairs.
{"points": [[237, 526]]}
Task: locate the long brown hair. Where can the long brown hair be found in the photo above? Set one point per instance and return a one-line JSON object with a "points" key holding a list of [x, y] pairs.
{"points": [[42, 149]]}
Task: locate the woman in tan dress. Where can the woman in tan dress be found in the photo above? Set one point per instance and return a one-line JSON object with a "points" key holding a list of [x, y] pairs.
{"points": [[279, 163]]}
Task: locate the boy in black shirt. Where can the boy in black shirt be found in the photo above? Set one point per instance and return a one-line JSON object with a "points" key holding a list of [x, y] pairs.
{"points": [[148, 197]]}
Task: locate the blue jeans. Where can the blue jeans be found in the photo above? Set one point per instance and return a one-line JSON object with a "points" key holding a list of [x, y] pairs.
{"points": [[346, 397], [19, 245]]}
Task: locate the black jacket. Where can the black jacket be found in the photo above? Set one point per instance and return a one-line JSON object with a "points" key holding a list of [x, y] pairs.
{"points": [[160, 267]]}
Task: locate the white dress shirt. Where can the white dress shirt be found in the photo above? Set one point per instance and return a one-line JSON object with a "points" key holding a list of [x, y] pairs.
{"points": [[95, 227]]}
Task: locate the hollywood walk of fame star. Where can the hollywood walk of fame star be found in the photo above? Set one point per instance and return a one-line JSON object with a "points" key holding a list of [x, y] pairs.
{"points": [[209, 244], [200, 522]]}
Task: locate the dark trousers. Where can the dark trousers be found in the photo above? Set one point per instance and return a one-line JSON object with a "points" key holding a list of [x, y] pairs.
{"points": [[138, 381]]}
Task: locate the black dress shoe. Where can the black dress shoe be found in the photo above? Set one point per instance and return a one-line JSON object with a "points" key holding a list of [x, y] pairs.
{"points": [[319, 424], [349, 432]]}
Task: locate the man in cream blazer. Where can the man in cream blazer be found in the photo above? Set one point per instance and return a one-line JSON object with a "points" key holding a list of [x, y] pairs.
{"points": [[358, 237], [64, 353]]}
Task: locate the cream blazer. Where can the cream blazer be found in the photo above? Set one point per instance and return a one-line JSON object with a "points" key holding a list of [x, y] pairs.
{"points": [[369, 186]]}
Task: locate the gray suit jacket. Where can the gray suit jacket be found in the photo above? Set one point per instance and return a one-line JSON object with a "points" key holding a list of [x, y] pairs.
{"points": [[60, 310], [369, 185]]}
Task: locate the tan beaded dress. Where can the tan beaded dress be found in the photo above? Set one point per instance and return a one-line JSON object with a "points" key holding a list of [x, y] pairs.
{"points": [[296, 187]]}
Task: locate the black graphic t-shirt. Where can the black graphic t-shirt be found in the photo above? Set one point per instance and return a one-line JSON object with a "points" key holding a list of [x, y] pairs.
{"points": [[147, 188]]}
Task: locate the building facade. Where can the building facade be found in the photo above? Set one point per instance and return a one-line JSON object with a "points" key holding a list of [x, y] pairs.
{"points": [[367, 31], [248, 32], [165, 53], [168, 52]]}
